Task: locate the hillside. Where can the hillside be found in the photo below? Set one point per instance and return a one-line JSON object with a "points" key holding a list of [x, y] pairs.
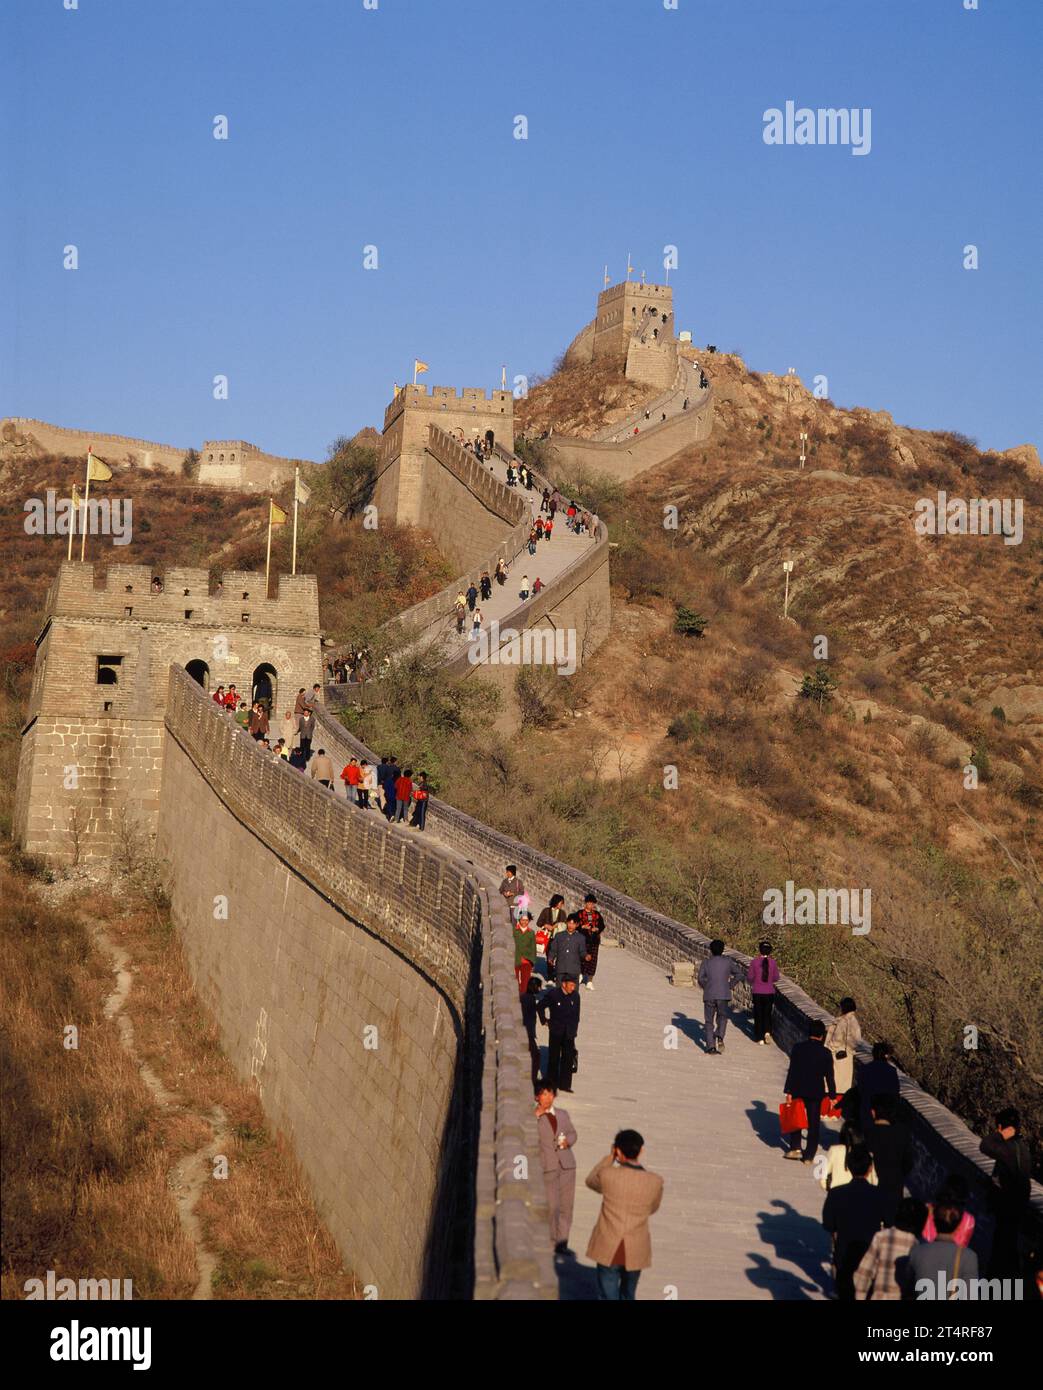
{"points": [[365, 577], [935, 646]]}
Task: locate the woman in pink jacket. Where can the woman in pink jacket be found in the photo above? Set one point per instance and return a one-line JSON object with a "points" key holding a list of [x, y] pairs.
{"points": [[762, 972]]}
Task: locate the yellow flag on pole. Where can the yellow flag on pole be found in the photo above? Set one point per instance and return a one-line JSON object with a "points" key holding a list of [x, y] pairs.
{"points": [[276, 515], [97, 469], [419, 366]]}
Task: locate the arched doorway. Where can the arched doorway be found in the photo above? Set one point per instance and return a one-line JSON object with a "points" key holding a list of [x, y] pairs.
{"points": [[200, 672], [265, 685]]}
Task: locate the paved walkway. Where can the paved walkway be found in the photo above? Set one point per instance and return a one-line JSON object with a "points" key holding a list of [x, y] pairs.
{"points": [[669, 404], [551, 558], [737, 1220]]}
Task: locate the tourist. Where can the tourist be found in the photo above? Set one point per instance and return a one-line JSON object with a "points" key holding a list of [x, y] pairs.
{"points": [[557, 1135], [322, 768], [1012, 1184], [472, 596], [889, 1141], [258, 721], [954, 1191], [882, 1268], [548, 528], [533, 538], [762, 974], [351, 776], [875, 1078], [306, 732], [550, 921], [529, 1003], [558, 1008], [367, 785], [486, 586], [842, 1037], [460, 610], [592, 925], [403, 793], [537, 586], [852, 1214], [288, 728], [231, 698], [476, 625], [524, 951], [282, 749], [501, 571], [218, 696], [296, 759], [566, 951], [545, 500], [420, 800], [242, 717], [570, 516], [361, 794], [511, 886], [837, 1171], [392, 772], [940, 1260], [523, 592], [510, 475], [300, 702], [620, 1244], [809, 1077], [718, 976]]}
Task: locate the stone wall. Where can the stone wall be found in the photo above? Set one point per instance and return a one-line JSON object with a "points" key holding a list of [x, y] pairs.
{"points": [[942, 1142], [462, 504], [399, 490], [337, 924], [653, 446], [244, 466], [91, 755]]}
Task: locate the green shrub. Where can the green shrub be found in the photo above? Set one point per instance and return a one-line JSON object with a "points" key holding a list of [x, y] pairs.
{"points": [[689, 623]]}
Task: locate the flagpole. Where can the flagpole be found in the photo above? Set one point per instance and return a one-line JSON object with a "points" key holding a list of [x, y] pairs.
{"points": [[86, 498], [72, 520], [296, 480], [268, 557], [414, 371]]}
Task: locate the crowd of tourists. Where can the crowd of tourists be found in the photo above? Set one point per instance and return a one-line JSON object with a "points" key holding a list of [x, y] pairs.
{"points": [[556, 955], [883, 1241], [354, 667]]}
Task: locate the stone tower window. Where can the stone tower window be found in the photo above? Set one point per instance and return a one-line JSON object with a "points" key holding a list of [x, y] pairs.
{"points": [[246, 617], [108, 669], [245, 596], [188, 612], [129, 588]]}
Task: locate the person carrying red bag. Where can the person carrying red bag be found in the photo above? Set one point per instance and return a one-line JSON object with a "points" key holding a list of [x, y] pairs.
{"points": [[808, 1079]]}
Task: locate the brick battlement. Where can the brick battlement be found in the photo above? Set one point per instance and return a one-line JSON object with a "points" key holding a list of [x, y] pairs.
{"points": [[125, 592], [634, 287], [448, 398]]}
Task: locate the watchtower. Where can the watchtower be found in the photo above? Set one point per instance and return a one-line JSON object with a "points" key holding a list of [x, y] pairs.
{"points": [[403, 448], [91, 756], [621, 312]]}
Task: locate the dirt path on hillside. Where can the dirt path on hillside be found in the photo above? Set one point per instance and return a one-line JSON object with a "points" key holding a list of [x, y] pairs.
{"points": [[189, 1176]]}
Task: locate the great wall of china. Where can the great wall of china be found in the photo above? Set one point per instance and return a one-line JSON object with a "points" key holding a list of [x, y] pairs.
{"points": [[363, 977]]}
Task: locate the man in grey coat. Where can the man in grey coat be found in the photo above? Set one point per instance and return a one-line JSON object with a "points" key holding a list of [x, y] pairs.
{"points": [[718, 976], [557, 1136], [565, 952]]}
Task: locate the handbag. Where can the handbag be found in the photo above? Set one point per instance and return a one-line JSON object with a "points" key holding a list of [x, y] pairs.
{"points": [[792, 1115], [830, 1108]]}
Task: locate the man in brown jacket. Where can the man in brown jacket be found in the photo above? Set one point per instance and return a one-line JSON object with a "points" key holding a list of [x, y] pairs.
{"points": [[620, 1244]]}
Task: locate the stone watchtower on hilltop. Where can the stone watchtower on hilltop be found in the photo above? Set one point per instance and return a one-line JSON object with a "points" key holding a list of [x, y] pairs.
{"points": [[91, 756], [634, 325], [406, 474]]}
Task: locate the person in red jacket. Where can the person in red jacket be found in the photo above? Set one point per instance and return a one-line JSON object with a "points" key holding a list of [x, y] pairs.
{"points": [[351, 777], [231, 699], [420, 797], [403, 793], [218, 696]]}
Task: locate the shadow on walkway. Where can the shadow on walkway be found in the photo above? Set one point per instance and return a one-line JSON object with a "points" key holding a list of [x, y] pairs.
{"points": [[765, 1124], [782, 1284], [576, 1282], [797, 1239]]}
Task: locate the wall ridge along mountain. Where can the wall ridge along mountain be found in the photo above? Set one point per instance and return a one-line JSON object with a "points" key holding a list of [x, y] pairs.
{"points": [[436, 1118]]}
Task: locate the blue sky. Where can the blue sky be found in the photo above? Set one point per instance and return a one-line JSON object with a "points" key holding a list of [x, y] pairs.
{"points": [[394, 127]]}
